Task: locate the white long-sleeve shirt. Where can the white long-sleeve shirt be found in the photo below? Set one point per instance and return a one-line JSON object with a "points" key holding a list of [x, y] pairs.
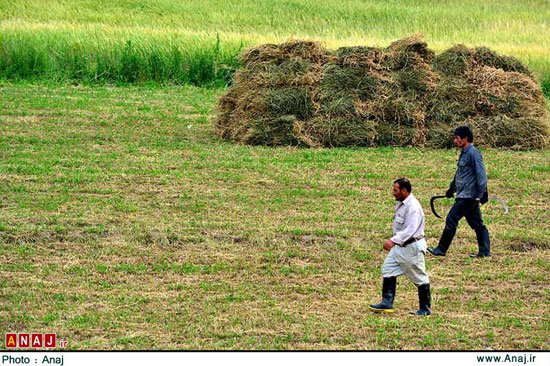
{"points": [[408, 220]]}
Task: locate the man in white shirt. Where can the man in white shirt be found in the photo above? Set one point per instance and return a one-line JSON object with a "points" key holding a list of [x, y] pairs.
{"points": [[407, 249]]}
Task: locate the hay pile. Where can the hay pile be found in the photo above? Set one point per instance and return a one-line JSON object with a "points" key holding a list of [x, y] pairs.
{"points": [[299, 93]]}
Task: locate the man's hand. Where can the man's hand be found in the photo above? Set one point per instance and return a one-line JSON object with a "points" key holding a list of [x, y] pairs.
{"points": [[450, 193], [485, 198], [388, 244]]}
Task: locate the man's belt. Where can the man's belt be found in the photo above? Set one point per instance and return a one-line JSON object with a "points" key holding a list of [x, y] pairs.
{"points": [[411, 240]]}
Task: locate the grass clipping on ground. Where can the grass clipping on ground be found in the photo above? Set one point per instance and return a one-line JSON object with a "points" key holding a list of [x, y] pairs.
{"points": [[298, 93]]}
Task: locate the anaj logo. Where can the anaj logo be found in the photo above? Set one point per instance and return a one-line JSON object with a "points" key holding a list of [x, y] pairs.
{"points": [[33, 340]]}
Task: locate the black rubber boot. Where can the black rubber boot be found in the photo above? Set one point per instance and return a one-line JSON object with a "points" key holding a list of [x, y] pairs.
{"points": [[424, 299], [388, 295]]}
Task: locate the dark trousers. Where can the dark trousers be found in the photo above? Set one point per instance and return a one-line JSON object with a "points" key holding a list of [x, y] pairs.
{"points": [[469, 208]]}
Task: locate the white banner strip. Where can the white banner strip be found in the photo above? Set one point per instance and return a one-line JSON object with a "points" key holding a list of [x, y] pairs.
{"points": [[274, 358]]}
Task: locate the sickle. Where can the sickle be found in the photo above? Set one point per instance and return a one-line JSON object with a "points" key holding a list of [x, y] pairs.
{"points": [[491, 198], [501, 201], [432, 205]]}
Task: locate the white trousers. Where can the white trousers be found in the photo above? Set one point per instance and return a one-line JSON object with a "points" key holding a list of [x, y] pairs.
{"points": [[408, 260]]}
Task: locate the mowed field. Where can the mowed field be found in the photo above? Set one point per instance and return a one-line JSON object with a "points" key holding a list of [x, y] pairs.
{"points": [[127, 224]]}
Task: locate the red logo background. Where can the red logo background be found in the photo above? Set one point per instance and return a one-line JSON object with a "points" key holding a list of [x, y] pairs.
{"points": [[11, 340]]}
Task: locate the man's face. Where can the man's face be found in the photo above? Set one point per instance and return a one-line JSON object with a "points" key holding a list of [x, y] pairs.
{"points": [[398, 193], [461, 142]]}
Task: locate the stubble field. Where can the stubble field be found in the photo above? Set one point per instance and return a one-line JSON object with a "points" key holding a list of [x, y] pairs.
{"points": [[127, 224]]}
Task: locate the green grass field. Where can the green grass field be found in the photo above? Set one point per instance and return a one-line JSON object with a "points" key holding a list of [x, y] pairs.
{"points": [[177, 42], [126, 224]]}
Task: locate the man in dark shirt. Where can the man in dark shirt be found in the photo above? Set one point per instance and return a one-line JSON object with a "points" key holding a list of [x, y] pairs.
{"points": [[470, 185]]}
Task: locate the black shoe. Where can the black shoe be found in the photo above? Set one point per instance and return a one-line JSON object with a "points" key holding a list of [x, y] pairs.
{"points": [[388, 294], [437, 252], [479, 255], [420, 312], [424, 299]]}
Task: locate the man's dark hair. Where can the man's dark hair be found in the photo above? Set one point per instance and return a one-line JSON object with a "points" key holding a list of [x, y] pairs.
{"points": [[464, 131], [404, 183]]}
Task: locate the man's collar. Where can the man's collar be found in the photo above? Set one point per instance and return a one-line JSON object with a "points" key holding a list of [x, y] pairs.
{"points": [[408, 199], [468, 147]]}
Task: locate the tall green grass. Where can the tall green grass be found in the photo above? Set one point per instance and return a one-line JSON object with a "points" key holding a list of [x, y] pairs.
{"points": [[87, 40], [75, 57]]}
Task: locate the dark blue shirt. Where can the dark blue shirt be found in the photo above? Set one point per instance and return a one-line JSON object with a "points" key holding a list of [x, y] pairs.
{"points": [[470, 179]]}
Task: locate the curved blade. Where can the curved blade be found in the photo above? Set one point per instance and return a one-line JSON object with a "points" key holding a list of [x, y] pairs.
{"points": [[432, 205], [501, 201]]}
